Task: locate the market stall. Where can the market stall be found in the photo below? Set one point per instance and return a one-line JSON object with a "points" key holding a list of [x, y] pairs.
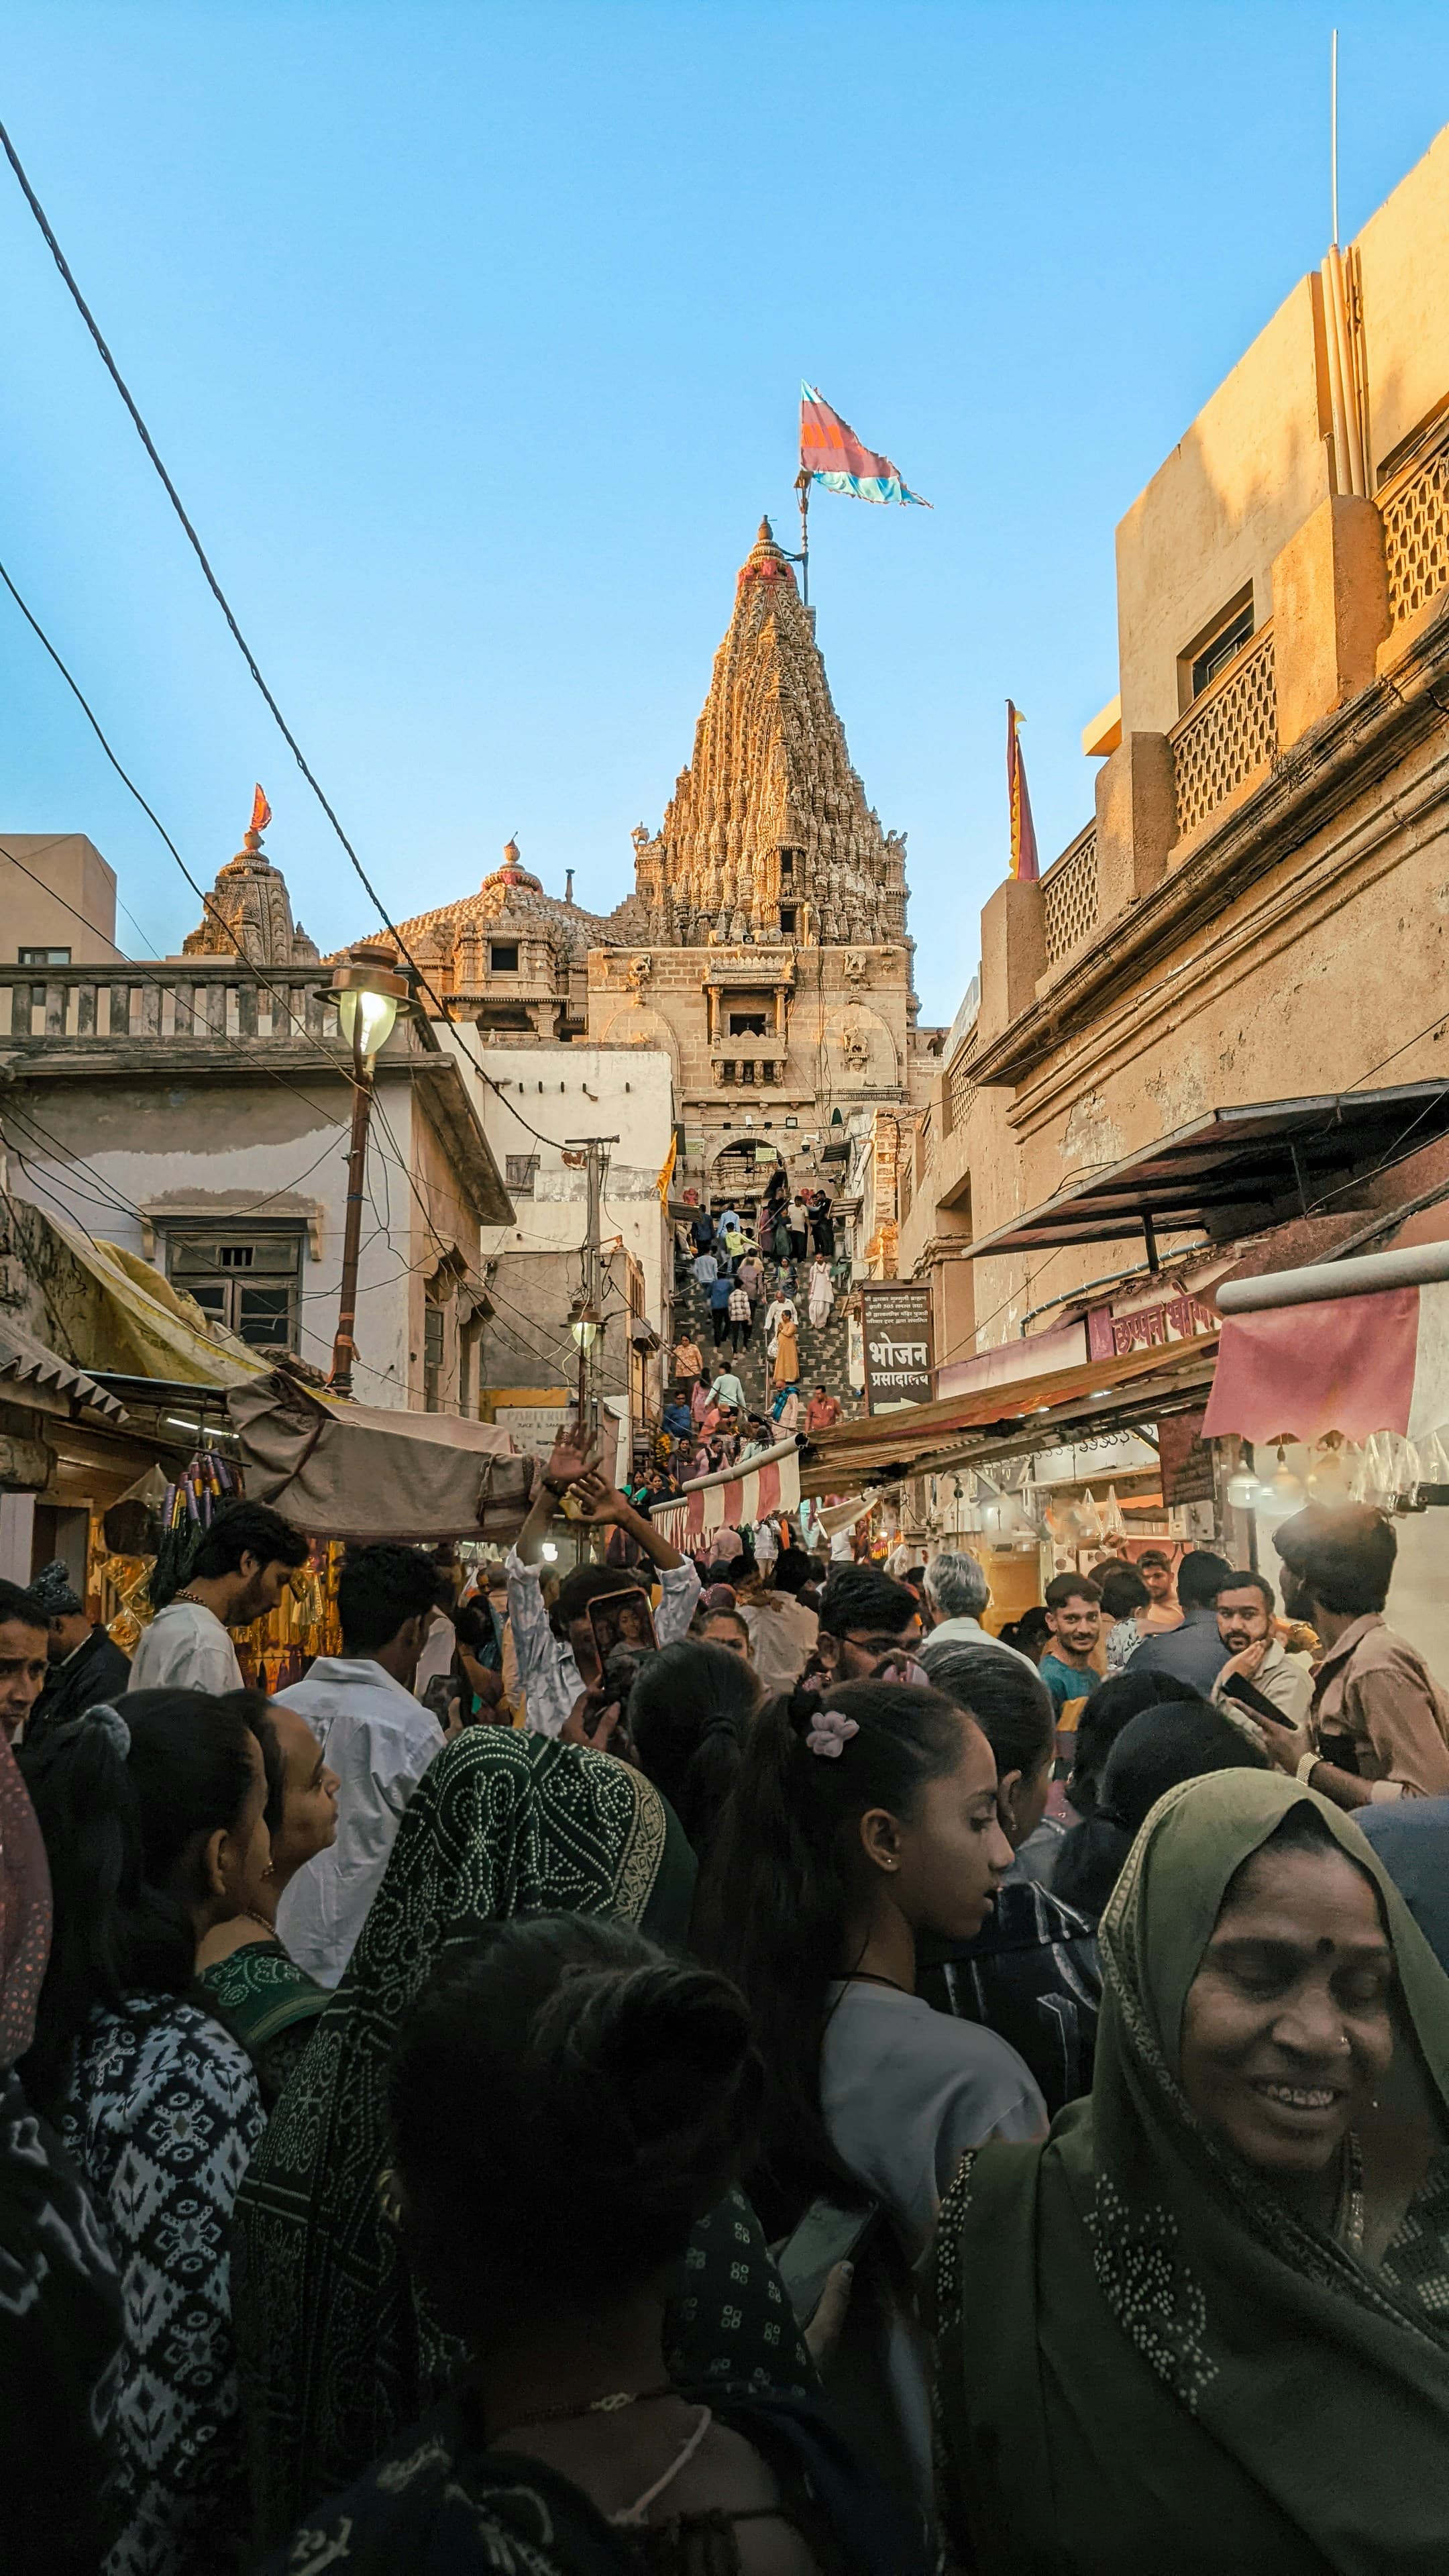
{"points": [[733, 1498]]}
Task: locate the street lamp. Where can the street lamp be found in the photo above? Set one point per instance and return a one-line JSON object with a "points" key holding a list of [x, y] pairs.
{"points": [[368, 992], [584, 1323]]}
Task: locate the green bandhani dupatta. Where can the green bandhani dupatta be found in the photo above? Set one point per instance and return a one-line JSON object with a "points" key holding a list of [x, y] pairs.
{"points": [[1143, 2356], [335, 2355], [269, 2005]]}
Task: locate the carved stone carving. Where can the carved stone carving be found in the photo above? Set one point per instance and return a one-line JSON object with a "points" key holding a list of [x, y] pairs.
{"points": [[857, 966], [639, 970], [855, 1050]]}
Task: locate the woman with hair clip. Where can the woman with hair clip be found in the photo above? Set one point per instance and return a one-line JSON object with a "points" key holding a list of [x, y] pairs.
{"points": [[865, 1816], [154, 1828], [545, 2050]]}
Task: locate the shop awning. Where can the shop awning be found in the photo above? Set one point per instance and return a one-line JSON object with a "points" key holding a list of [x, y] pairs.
{"points": [[24, 1361], [1236, 1170], [355, 1471], [732, 1497], [1030, 1413], [135, 1323], [1375, 1359]]}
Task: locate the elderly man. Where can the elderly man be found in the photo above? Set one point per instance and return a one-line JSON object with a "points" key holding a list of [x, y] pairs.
{"points": [[956, 1594]]}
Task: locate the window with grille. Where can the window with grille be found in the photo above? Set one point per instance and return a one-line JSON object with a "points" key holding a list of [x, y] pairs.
{"points": [[432, 1358], [520, 1172], [503, 956], [250, 1283], [1212, 650], [44, 957]]}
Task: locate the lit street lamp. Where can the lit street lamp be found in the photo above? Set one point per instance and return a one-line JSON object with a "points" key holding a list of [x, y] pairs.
{"points": [[369, 993]]}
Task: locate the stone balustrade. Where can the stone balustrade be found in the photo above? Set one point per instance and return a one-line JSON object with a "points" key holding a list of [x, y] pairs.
{"points": [[1414, 508], [1069, 896], [188, 1005], [1228, 734]]}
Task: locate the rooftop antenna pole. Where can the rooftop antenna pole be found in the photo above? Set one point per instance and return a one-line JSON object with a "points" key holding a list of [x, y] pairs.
{"points": [[1333, 130]]}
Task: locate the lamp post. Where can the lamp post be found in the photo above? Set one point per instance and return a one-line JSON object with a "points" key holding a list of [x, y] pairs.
{"points": [[368, 992]]}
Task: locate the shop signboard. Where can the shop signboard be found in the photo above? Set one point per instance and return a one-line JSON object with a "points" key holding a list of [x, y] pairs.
{"points": [[1187, 1459], [897, 1329]]}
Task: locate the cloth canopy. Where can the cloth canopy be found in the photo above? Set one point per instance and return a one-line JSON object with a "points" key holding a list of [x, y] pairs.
{"points": [[355, 1471], [929, 1439], [734, 1495], [140, 1324], [1356, 1365]]}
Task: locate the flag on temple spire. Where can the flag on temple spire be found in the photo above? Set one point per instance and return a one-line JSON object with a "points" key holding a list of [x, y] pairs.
{"points": [[831, 454], [261, 812], [1023, 830]]}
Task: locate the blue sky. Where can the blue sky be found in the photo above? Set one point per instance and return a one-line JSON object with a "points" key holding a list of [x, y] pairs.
{"points": [[473, 337]]}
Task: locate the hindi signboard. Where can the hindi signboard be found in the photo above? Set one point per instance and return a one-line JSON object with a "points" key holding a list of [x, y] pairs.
{"points": [[897, 1331]]}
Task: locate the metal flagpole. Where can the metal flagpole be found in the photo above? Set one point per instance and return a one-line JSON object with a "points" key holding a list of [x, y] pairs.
{"points": [[802, 486], [1333, 130]]}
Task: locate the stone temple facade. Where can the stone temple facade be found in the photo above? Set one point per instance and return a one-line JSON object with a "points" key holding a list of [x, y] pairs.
{"points": [[764, 947]]}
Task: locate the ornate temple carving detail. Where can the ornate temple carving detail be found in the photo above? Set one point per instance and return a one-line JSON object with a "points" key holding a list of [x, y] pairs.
{"points": [[769, 816]]}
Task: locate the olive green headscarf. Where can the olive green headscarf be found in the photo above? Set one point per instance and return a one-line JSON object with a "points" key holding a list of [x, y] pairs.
{"points": [[1144, 2357]]}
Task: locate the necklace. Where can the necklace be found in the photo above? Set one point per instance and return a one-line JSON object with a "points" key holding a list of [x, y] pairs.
{"points": [[613, 2404], [250, 1915], [1348, 2217]]}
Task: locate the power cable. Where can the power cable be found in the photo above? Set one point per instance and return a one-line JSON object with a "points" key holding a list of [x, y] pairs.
{"points": [[224, 604]]}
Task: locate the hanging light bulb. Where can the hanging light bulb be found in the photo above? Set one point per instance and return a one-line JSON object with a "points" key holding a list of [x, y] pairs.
{"points": [[1242, 1489]]}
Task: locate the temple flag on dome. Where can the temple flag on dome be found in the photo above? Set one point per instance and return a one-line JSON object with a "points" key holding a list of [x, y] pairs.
{"points": [[831, 454], [261, 812], [1023, 830]]}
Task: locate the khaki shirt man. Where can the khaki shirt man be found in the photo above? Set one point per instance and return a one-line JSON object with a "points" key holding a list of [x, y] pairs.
{"points": [[1376, 1689]]}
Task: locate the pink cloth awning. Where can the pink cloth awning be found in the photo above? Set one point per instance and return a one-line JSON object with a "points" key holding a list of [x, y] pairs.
{"points": [[1355, 1365]]}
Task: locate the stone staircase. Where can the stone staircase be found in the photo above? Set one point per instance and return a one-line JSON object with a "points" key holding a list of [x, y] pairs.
{"points": [[822, 1354]]}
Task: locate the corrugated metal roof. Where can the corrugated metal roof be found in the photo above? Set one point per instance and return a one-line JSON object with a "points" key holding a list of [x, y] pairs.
{"points": [[28, 1361]]}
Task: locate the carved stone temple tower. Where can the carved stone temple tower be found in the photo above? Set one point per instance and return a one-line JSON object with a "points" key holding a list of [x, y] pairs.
{"points": [[765, 945]]}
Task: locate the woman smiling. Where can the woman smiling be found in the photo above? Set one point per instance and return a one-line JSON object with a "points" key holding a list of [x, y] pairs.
{"points": [[1206, 2326]]}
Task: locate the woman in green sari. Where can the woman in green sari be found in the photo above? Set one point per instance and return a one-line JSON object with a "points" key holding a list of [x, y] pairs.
{"points": [[249, 1978], [1205, 2325], [338, 2353]]}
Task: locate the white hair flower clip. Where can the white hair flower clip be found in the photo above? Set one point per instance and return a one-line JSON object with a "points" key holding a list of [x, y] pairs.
{"points": [[829, 1733]]}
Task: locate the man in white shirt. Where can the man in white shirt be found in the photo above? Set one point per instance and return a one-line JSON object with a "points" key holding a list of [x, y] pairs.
{"points": [[957, 1592], [238, 1574], [557, 1665], [375, 1735]]}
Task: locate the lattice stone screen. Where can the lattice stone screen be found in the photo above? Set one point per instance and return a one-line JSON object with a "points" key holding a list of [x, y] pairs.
{"points": [[1416, 535], [1229, 734], [960, 1090], [1069, 896]]}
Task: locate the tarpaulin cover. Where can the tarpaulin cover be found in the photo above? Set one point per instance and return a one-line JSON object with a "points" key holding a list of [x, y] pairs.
{"points": [[1355, 1365], [355, 1471]]}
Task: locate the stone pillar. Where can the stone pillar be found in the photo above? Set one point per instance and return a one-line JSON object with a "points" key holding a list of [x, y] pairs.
{"points": [[1013, 955], [1330, 612], [1136, 820], [544, 1016]]}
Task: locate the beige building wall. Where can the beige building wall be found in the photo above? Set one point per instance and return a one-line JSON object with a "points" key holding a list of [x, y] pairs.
{"points": [[74, 906], [1273, 921]]}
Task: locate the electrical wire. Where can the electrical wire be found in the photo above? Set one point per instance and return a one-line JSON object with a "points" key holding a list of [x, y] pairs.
{"points": [[224, 604]]}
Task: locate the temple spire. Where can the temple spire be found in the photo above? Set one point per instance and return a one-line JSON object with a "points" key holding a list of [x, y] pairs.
{"points": [[768, 827]]}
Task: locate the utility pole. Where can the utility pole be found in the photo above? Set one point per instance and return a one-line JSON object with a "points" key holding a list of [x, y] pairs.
{"points": [[587, 1321], [368, 993]]}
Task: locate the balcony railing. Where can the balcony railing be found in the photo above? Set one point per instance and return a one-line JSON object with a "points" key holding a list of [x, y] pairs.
{"points": [[1227, 735], [189, 1004], [960, 1090], [1415, 512], [1069, 896]]}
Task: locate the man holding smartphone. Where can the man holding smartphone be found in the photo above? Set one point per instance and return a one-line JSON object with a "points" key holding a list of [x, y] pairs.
{"points": [[557, 1658]]}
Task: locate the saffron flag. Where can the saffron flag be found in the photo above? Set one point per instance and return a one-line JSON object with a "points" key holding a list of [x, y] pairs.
{"points": [[667, 1171], [831, 453], [1023, 830], [261, 812]]}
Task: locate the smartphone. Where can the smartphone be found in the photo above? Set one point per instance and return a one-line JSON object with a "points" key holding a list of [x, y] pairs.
{"points": [[829, 2233], [622, 1619]]}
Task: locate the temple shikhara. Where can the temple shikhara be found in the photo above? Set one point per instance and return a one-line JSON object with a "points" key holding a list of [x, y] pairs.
{"points": [[764, 947]]}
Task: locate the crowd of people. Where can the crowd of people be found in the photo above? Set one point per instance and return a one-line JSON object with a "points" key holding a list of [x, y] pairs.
{"points": [[727, 2067], [755, 1269]]}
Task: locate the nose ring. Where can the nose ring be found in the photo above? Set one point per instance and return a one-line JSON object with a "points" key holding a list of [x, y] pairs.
{"points": [[1344, 2040]]}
